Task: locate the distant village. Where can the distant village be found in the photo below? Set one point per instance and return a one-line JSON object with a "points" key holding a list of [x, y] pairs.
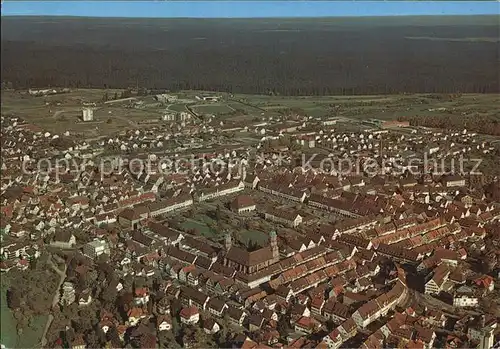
{"points": [[268, 237]]}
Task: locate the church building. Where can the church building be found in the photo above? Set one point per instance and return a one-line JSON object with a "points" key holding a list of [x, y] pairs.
{"points": [[251, 262]]}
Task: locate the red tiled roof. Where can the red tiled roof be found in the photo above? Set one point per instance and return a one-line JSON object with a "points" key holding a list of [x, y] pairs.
{"points": [[242, 201], [187, 313]]}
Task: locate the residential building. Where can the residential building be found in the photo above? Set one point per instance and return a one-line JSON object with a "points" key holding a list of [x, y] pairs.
{"points": [[190, 315], [230, 187], [68, 295], [288, 218], [243, 204], [96, 248]]}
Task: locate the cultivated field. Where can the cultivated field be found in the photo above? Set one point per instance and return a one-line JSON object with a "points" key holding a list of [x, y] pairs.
{"points": [[213, 109], [60, 113], [380, 107]]}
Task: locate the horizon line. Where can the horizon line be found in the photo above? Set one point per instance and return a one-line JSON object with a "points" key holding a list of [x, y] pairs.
{"points": [[218, 9], [270, 17]]}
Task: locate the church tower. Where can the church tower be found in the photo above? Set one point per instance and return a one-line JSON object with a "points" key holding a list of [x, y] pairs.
{"points": [[274, 245], [228, 241]]}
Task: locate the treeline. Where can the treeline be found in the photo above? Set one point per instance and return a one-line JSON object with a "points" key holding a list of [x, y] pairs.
{"points": [[479, 124], [27, 66], [255, 58]]}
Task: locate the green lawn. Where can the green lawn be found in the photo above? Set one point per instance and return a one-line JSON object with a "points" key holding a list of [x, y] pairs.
{"points": [[8, 334], [212, 109], [200, 227], [261, 238], [31, 335], [200, 223], [177, 107], [317, 111]]}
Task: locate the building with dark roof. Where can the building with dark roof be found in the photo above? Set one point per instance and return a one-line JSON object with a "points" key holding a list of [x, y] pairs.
{"points": [[250, 262], [242, 204]]}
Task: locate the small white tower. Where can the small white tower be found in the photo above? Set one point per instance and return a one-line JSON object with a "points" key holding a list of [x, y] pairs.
{"points": [[228, 243], [87, 114], [273, 237]]}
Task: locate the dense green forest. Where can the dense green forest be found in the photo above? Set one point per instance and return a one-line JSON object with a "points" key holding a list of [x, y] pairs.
{"points": [[285, 56]]}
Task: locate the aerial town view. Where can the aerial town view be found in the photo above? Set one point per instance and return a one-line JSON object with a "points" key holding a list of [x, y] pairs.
{"points": [[329, 182]]}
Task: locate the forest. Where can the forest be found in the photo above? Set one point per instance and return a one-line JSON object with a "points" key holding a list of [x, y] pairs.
{"points": [[277, 56], [481, 124]]}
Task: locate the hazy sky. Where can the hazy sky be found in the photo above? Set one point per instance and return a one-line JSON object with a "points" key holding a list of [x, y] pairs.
{"points": [[238, 9]]}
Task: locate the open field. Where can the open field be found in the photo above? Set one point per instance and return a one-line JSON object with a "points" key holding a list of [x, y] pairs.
{"points": [[380, 107], [178, 107], [63, 112], [60, 113], [213, 109]]}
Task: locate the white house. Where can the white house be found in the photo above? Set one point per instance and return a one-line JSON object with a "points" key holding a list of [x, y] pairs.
{"points": [[465, 301], [210, 326], [288, 218], [465, 297], [436, 283], [85, 298], [135, 315], [333, 340], [169, 205], [190, 315], [141, 296], [164, 323], [96, 248], [221, 190]]}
